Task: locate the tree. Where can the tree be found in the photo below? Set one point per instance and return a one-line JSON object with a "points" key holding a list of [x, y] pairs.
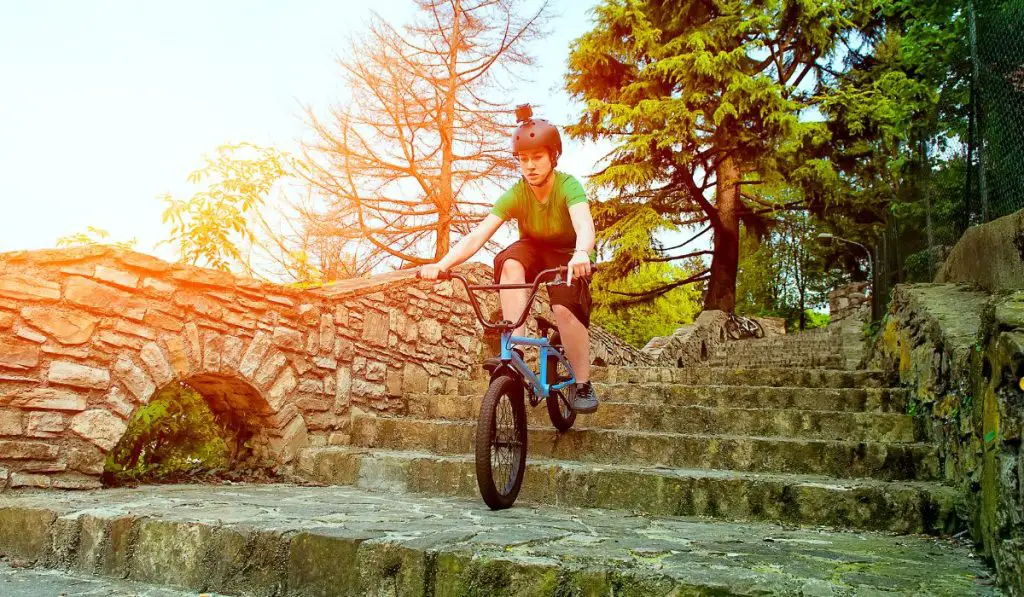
{"points": [[703, 100], [94, 236], [637, 321], [425, 134]]}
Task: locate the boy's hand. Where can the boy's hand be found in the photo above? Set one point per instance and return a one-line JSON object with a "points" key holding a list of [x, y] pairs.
{"points": [[430, 271], [579, 266]]}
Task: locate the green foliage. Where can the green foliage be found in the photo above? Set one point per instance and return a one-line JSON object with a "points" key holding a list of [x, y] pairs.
{"points": [[637, 322], [209, 227], [175, 434], [93, 236], [786, 274]]}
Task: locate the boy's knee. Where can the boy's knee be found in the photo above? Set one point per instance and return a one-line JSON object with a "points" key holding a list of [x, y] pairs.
{"points": [[512, 272], [562, 311]]}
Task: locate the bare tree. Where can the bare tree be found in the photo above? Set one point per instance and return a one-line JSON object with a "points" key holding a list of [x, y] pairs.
{"points": [[412, 158]]}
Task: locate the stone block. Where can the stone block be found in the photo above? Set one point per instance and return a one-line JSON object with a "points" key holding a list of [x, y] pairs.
{"points": [[254, 354], [213, 344], [288, 339], [239, 320], [66, 327], [134, 329], [232, 355], [269, 369], [393, 382], [72, 481], [163, 321], [135, 379], [103, 298], [283, 386], [375, 328], [367, 389], [199, 304], [116, 277], [341, 315], [178, 356], [45, 399], [18, 354], [6, 320], [415, 379], [158, 287], [375, 371], [27, 450], [293, 439], [156, 364], [29, 480], [72, 374], [327, 334], [99, 426], [431, 331], [118, 402], [323, 362], [309, 314], [29, 334], [45, 424], [311, 385], [313, 342], [10, 422], [193, 348], [343, 388], [21, 287], [86, 458]]}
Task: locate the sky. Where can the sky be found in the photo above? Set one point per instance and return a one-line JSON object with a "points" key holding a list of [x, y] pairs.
{"points": [[107, 105]]}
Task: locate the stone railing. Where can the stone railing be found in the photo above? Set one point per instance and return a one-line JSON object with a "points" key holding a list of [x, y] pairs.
{"points": [[962, 353], [847, 301], [690, 344], [88, 335]]}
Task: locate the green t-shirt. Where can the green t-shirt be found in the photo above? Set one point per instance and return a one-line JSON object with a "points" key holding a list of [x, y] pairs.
{"points": [[547, 222]]}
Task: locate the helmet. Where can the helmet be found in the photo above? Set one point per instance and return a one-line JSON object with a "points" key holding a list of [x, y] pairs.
{"points": [[535, 133]]}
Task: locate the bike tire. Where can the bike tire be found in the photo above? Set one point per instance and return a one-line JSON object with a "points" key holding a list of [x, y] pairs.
{"points": [[560, 409], [758, 330], [501, 443], [733, 329]]}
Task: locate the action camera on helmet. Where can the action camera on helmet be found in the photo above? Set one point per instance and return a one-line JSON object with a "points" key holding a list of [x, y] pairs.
{"points": [[524, 112]]}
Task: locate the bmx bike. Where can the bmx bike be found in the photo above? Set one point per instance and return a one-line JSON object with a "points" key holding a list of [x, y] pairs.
{"points": [[738, 326], [501, 434]]}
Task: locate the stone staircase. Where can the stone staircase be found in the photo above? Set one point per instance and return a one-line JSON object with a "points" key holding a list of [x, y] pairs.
{"points": [[820, 347], [795, 445]]}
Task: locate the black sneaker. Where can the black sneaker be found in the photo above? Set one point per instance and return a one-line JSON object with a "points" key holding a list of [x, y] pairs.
{"points": [[585, 401]]}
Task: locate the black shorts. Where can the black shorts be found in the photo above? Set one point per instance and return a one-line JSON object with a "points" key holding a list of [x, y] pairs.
{"points": [[536, 257]]}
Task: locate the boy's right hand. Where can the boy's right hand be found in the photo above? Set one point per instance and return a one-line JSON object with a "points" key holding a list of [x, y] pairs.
{"points": [[430, 271]]}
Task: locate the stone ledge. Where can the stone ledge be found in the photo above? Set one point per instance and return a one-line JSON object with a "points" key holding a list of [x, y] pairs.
{"points": [[258, 539]]}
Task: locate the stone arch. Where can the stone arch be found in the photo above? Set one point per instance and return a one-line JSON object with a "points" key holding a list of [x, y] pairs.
{"points": [[246, 377]]}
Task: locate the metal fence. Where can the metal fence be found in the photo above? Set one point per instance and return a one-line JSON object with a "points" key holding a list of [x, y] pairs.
{"points": [[990, 177]]}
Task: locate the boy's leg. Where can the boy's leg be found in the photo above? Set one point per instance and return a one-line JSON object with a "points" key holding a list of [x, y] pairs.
{"points": [[576, 339], [513, 301]]}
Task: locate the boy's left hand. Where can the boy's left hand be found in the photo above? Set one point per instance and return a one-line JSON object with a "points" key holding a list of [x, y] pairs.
{"points": [[579, 266]]}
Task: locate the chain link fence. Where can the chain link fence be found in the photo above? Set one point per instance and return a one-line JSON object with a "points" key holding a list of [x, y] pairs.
{"points": [[988, 181]]}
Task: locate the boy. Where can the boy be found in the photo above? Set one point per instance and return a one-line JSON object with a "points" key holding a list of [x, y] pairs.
{"points": [[555, 229]]}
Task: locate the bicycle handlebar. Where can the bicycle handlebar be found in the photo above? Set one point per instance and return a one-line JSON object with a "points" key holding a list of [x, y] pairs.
{"points": [[504, 324]]}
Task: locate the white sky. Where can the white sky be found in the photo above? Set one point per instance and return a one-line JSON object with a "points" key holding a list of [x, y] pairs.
{"points": [[105, 105]]}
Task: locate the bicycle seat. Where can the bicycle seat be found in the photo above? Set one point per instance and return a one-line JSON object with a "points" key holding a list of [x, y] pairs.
{"points": [[544, 325]]}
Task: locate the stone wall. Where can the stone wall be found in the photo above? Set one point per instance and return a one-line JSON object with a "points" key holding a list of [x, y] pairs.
{"points": [[691, 344], [846, 301], [988, 255], [962, 352], [88, 335]]}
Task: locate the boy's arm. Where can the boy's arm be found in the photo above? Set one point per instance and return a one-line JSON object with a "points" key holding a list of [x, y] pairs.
{"points": [[471, 243], [583, 223]]}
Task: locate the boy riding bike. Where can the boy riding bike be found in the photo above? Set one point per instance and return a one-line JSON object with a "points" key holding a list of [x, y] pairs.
{"points": [[555, 228]]}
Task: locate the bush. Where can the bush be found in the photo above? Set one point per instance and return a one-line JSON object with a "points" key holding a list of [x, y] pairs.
{"points": [[175, 435]]}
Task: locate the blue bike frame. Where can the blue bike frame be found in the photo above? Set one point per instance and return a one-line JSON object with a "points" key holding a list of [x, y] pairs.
{"points": [[539, 383]]}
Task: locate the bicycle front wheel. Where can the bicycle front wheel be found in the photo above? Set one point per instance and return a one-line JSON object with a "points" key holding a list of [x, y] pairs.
{"points": [[501, 443]]}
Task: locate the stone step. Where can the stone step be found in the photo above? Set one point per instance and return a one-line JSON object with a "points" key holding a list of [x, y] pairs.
{"points": [[879, 400], [807, 500], [673, 418], [44, 582], [727, 376], [781, 359], [288, 540], [841, 459]]}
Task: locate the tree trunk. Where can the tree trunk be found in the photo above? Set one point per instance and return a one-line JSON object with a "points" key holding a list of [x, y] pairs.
{"points": [[445, 198], [722, 286]]}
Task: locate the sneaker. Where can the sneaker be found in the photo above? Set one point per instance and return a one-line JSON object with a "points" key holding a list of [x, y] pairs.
{"points": [[585, 401]]}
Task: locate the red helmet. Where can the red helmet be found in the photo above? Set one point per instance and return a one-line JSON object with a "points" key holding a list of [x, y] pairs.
{"points": [[534, 133]]}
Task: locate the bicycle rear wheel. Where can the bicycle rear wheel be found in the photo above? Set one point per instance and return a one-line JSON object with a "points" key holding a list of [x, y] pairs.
{"points": [[501, 443], [733, 329]]}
